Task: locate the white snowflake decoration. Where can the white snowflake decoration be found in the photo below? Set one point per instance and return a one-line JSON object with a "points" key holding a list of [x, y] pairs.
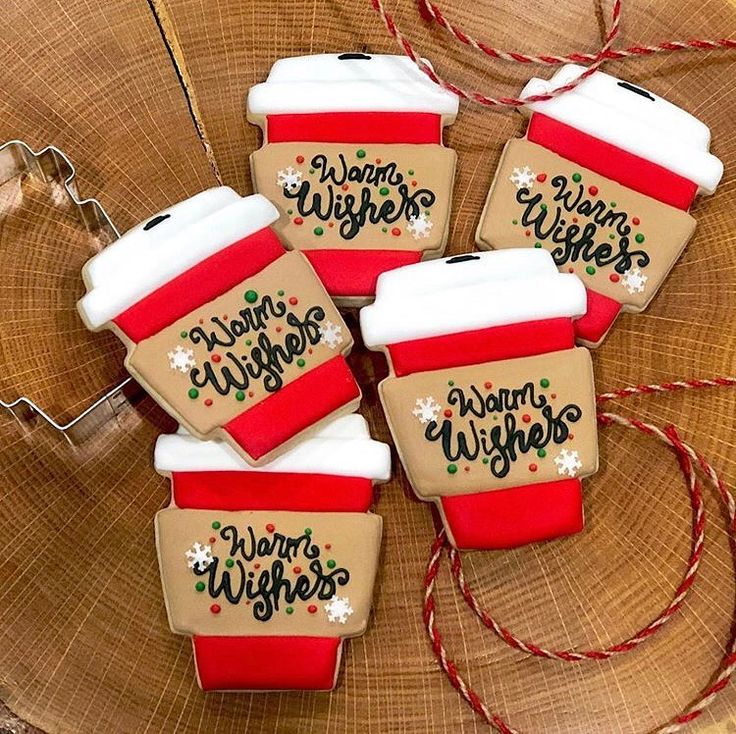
{"points": [[330, 334], [199, 556], [427, 409], [523, 178], [419, 226], [338, 609], [634, 280], [181, 359], [568, 463], [289, 179]]}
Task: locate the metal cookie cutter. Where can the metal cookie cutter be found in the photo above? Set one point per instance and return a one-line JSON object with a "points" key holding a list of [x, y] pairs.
{"points": [[50, 165]]}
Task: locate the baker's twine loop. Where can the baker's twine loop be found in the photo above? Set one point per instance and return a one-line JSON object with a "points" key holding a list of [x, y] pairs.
{"points": [[688, 459], [431, 12]]}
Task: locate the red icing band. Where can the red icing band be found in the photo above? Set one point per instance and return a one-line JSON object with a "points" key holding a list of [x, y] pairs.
{"points": [[254, 490], [266, 663], [602, 312], [511, 517], [355, 127], [202, 283], [482, 345], [355, 272], [628, 169], [295, 407]]}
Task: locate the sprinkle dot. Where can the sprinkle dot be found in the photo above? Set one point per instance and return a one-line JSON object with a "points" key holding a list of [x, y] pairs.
{"points": [[183, 335], [448, 413], [612, 236], [193, 393], [215, 609], [593, 190], [289, 211], [199, 586], [216, 358], [485, 459], [639, 238], [311, 170], [395, 231], [360, 153], [533, 467], [488, 385], [251, 296], [290, 610], [383, 191], [208, 402], [297, 569], [543, 207], [300, 362], [514, 221], [319, 231], [331, 563], [613, 205], [576, 177], [452, 468], [541, 453], [590, 270], [384, 229], [293, 300], [312, 609], [537, 245], [541, 177], [280, 293], [614, 277], [526, 418], [411, 171], [298, 221], [229, 563], [216, 525], [270, 527], [248, 342], [636, 221], [300, 159], [307, 531], [544, 382]]}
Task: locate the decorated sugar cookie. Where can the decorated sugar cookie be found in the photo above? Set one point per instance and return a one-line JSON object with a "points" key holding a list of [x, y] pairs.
{"points": [[333, 471], [353, 159], [233, 336], [267, 597], [603, 180], [490, 404]]}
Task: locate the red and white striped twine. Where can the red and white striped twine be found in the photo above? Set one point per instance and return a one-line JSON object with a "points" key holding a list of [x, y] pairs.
{"points": [[688, 458], [431, 12]]}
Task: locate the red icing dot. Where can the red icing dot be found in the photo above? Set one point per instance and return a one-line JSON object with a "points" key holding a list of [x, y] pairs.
{"points": [[395, 231], [215, 609], [526, 418], [216, 358], [532, 467], [298, 220], [553, 395], [312, 608], [378, 160], [293, 300], [571, 270], [278, 329], [448, 413], [208, 402], [636, 221], [330, 224], [614, 277], [213, 539], [297, 569], [414, 183], [345, 187], [310, 350], [225, 317], [528, 233], [574, 220], [328, 546], [467, 468], [571, 436], [541, 177], [488, 385], [593, 190], [250, 393], [270, 527], [201, 321], [256, 566], [300, 159]]}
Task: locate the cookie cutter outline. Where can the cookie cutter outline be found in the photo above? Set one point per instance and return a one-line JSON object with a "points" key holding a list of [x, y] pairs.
{"points": [[51, 165]]}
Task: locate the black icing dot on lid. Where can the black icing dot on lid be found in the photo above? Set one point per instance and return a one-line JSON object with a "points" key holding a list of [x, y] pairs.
{"points": [[354, 57], [156, 220], [637, 90], [462, 259]]}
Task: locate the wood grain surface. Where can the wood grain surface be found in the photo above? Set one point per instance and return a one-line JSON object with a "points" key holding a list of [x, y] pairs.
{"points": [[148, 101]]}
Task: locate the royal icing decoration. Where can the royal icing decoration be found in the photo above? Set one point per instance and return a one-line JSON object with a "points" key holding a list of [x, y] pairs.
{"points": [[488, 393], [352, 156], [603, 180], [223, 327]]}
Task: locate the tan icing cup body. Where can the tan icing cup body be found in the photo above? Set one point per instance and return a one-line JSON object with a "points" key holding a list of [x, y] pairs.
{"points": [[285, 557], [353, 159], [232, 336], [603, 180], [489, 403]]}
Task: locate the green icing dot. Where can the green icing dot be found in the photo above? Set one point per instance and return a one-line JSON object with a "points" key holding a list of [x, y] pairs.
{"points": [[639, 238], [383, 191], [248, 342], [290, 610], [319, 231], [280, 293], [541, 453], [216, 525], [514, 221], [307, 531], [360, 153], [450, 382], [229, 563], [612, 236], [289, 211], [543, 207], [576, 177], [613, 204], [183, 335], [384, 229], [240, 395], [193, 393], [485, 459], [199, 586], [590, 270], [311, 170], [300, 362], [251, 296], [411, 171], [331, 563], [544, 382], [452, 468], [537, 245]]}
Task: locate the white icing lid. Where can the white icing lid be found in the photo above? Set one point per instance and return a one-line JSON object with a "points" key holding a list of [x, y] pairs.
{"points": [[166, 245], [467, 292], [343, 447], [632, 119], [349, 82]]}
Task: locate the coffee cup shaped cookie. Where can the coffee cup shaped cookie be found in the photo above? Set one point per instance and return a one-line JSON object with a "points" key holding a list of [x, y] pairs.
{"points": [[233, 336], [353, 158], [267, 596], [332, 471], [603, 179], [490, 404]]}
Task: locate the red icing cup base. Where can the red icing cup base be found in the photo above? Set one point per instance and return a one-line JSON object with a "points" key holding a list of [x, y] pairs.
{"points": [[602, 312], [508, 518], [353, 273], [267, 663]]}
